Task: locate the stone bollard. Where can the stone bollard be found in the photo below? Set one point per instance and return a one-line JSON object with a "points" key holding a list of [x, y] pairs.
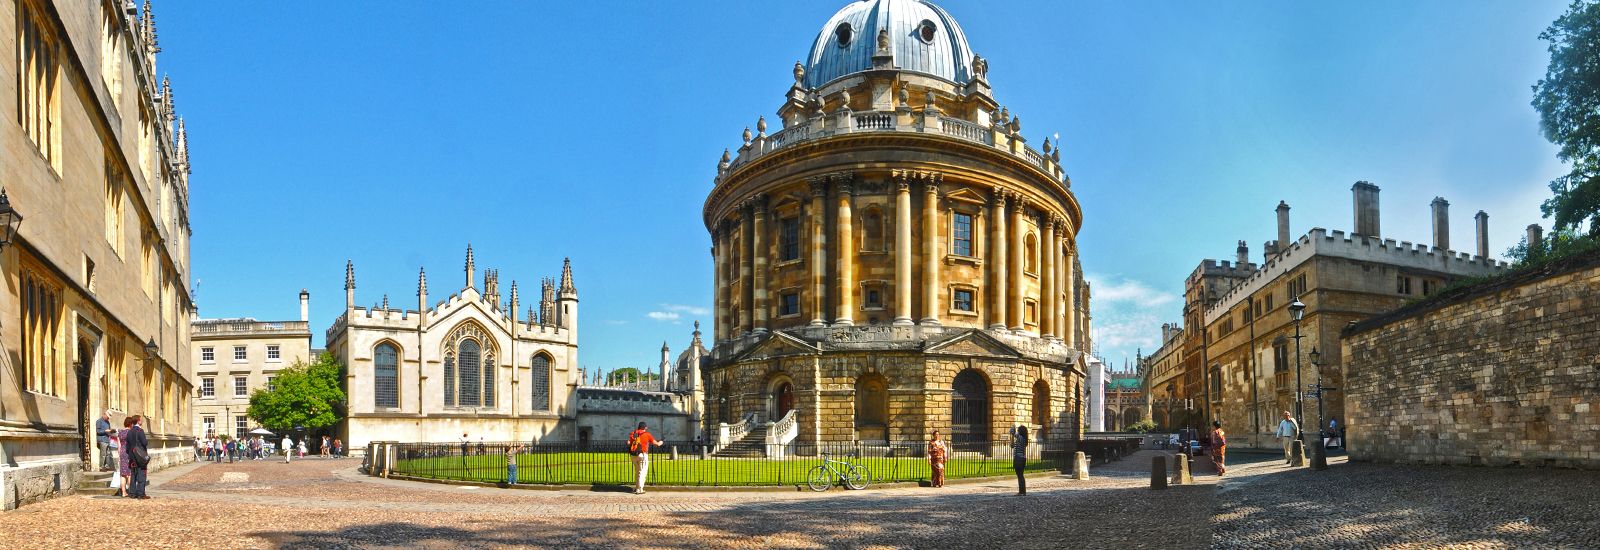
{"points": [[1158, 472], [1319, 457], [704, 450], [1080, 466], [1180, 474], [674, 452], [1297, 454]]}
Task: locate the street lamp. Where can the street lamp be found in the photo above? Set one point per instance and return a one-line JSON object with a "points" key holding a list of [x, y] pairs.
{"points": [[1319, 457], [151, 349], [1297, 310], [10, 220]]}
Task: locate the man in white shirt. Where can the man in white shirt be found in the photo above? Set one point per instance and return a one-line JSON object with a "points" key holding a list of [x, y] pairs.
{"points": [[1288, 430], [288, 449]]}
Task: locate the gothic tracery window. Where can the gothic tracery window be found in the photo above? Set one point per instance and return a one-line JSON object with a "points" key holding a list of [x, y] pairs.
{"points": [[469, 374], [539, 379], [385, 376]]}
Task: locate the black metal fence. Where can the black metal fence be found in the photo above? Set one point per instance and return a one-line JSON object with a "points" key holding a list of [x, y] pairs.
{"points": [[609, 463]]}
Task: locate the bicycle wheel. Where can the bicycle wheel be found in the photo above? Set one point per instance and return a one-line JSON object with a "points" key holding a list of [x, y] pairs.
{"points": [[857, 477], [819, 479]]}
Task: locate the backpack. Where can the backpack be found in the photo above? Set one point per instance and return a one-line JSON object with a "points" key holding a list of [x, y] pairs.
{"points": [[633, 443]]}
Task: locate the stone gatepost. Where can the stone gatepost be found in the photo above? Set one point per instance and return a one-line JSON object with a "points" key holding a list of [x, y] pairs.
{"points": [[1158, 472], [1297, 454], [1180, 474]]}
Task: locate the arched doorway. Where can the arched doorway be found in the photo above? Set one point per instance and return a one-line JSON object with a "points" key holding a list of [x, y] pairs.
{"points": [[725, 403], [969, 410], [1130, 417], [783, 400], [1041, 409]]}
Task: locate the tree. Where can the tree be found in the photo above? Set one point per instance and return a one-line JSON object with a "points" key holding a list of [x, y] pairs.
{"points": [[629, 374], [1568, 100], [307, 395]]}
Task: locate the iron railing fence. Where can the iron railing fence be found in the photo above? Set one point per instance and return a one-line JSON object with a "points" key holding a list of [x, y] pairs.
{"points": [[609, 463]]}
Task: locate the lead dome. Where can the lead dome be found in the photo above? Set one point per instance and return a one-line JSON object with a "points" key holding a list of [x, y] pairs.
{"points": [[922, 36]]}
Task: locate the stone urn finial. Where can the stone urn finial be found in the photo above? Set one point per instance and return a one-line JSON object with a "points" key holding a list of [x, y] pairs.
{"points": [[883, 39], [905, 96], [746, 135], [799, 72], [761, 125]]}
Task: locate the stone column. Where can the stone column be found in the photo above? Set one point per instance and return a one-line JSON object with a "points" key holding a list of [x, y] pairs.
{"points": [[1018, 237], [719, 253], [997, 261], [1070, 285], [1056, 251], [902, 249], [847, 252], [930, 250], [745, 254], [758, 288], [819, 250], [1047, 278]]}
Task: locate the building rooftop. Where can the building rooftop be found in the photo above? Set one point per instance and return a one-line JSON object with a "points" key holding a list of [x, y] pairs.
{"points": [[922, 37]]}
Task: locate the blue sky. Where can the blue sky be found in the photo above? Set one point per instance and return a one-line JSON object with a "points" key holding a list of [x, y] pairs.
{"points": [[395, 133]]}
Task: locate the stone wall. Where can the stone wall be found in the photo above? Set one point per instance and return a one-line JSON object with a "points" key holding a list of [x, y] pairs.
{"points": [[1500, 374]]}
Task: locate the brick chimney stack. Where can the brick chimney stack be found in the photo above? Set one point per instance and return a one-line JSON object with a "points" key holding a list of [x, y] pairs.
{"points": [[1441, 223], [1483, 234], [1366, 208]]}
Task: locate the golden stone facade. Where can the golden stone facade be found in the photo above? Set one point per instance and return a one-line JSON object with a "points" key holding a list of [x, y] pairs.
{"points": [[896, 233]]}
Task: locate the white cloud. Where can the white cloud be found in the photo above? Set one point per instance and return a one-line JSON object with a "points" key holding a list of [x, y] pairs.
{"points": [[1103, 291], [1123, 332], [691, 310], [615, 322], [666, 316]]}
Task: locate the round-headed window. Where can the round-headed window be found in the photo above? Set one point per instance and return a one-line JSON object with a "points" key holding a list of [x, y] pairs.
{"points": [[843, 34], [926, 30]]}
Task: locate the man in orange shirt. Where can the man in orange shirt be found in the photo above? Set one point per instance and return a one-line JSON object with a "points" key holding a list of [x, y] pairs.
{"points": [[639, 442]]}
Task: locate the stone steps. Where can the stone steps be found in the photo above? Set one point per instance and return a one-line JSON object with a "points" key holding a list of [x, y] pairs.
{"points": [[752, 445]]}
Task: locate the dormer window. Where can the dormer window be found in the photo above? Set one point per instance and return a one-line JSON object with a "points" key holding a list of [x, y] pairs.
{"points": [[843, 34], [926, 31]]}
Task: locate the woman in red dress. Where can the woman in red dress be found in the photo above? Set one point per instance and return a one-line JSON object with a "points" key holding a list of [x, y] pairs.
{"points": [[937, 451]]}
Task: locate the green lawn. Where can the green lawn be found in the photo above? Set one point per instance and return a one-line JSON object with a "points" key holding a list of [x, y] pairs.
{"points": [[611, 468]]}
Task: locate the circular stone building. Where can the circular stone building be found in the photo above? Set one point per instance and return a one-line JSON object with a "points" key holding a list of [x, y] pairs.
{"points": [[896, 259]]}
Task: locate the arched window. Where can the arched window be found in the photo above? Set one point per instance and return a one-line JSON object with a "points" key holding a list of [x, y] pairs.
{"points": [[969, 409], [1041, 404], [539, 380], [385, 376], [872, 231], [467, 362], [1030, 254], [872, 408], [488, 378]]}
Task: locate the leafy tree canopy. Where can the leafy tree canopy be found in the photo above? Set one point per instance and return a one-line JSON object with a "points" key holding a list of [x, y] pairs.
{"points": [[309, 395], [1568, 100], [629, 374]]}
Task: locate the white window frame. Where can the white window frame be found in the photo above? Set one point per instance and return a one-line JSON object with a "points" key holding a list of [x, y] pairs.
{"points": [[241, 390], [208, 387], [241, 354], [208, 354], [274, 353]]}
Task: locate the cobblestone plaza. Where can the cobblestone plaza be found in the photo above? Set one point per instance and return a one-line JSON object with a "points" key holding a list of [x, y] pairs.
{"points": [[1260, 504]]}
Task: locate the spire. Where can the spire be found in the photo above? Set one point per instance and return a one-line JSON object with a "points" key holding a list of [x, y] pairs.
{"points": [[183, 144], [166, 97], [349, 275], [147, 20], [386, 302], [664, 345], [471, 266], [422, 281], [566, 279]]}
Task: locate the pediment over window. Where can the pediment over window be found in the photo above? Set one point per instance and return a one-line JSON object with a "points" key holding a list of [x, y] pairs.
{"points": [[966, 195], [779, 344], [973, 342]]}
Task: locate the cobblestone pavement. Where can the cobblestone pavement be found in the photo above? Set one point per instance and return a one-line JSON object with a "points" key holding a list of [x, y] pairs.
{"points": [[322, 504], [1260, 504]]}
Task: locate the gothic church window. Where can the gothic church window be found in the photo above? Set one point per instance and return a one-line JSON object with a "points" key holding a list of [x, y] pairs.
{"points": [[385, 376], [467, 362], [539, 379]]}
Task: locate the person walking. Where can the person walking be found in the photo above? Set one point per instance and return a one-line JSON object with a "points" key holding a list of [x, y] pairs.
{"points": [[302, 447], [338, 448], [326, 451], [937, 451], [1334, 438], [102, 438], [639, 442], [123, 468], [138, 446], [1019, 457], [511, 463], [288, 448], [1219, 447], [1288, 430]]}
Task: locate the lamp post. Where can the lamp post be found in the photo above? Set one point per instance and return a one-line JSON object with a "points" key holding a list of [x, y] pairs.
{"points": [[1319, 457], [10, 220], [1297, 310]]}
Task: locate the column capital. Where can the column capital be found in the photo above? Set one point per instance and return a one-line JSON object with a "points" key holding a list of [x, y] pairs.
{"points": [[818, 184], [1019, 201], [902, 180], [758, 203], [998, 197]]}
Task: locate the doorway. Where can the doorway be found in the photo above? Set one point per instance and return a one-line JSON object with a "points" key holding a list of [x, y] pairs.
{"points": [[85, 415], [785, 401], [969, 411]]}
